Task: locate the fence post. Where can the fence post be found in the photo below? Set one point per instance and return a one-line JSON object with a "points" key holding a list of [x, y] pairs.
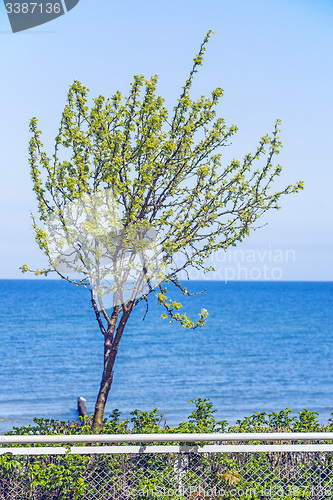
{"points": [[179, 474]]}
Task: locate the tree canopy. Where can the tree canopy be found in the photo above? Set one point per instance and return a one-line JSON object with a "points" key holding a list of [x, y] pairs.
{"points": [[131, 187]]}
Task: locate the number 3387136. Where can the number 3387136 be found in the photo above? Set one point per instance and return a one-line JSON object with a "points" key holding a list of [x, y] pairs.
{"points": [[30, 8]]}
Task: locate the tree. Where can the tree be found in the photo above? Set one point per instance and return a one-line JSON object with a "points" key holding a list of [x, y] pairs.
{"points": [[136, 189]]}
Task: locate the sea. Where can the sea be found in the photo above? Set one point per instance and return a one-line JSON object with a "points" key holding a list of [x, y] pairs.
{"points": [[266, 346]]}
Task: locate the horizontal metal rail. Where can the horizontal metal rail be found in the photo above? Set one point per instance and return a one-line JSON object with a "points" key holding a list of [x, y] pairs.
{"points": [[167, 438], [124, 450], [97, 439]]}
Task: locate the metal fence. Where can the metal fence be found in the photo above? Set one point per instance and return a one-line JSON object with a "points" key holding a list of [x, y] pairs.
{"points": [[137, 466]]}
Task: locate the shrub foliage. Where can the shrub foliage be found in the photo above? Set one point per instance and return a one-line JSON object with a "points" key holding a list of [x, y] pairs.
{"points": [[169, 475]]}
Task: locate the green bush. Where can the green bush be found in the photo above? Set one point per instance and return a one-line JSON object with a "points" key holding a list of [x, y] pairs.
{"points": [[141, 476]]}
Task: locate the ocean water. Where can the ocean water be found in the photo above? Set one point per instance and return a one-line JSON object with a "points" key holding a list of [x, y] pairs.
{"points": [[266, 346]]}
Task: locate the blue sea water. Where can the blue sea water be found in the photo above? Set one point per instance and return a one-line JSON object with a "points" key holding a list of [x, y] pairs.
{"points": [[266, 346]]}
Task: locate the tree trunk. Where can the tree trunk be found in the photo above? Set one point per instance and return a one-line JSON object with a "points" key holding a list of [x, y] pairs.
{"points": [[110, 352]]}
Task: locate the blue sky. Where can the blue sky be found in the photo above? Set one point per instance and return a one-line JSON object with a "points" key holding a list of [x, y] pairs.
{"points": [[272, 58]]}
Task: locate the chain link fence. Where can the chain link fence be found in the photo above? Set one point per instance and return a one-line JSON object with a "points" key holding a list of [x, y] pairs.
{"points": [[170, 472]]}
